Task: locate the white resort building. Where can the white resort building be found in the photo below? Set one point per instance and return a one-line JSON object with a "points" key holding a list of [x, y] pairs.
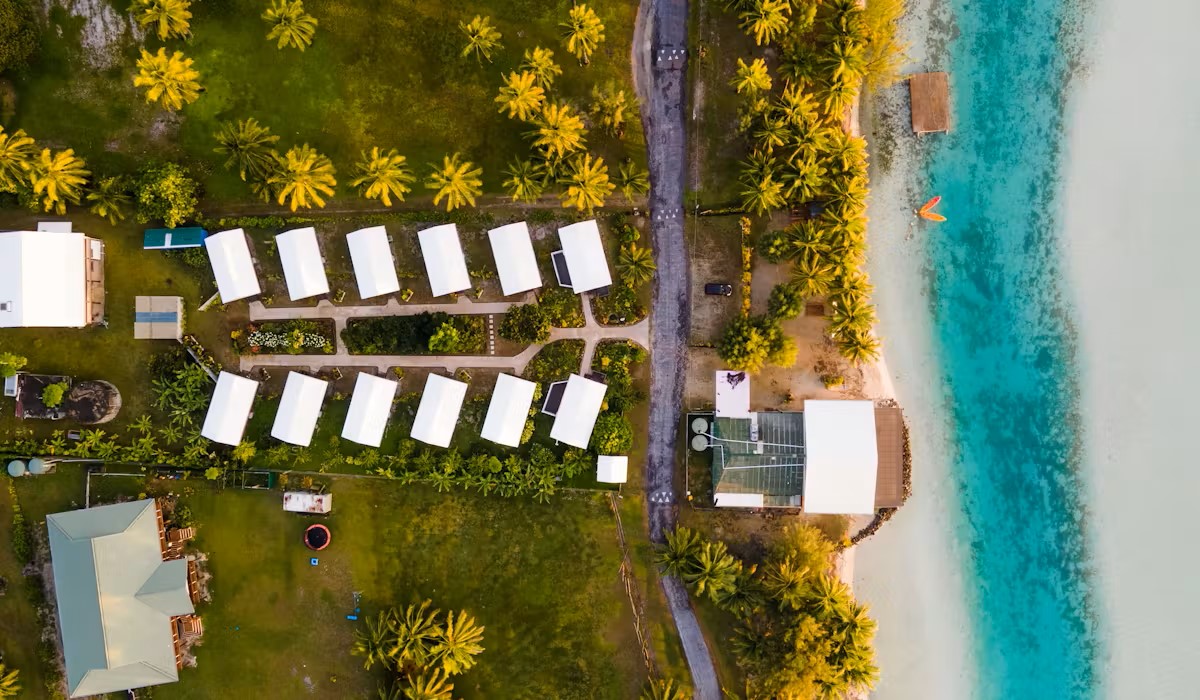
{"points": [[51, 278]]}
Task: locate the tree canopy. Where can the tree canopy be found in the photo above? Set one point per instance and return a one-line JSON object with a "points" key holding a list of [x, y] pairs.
{"points": [[483, 39], [58, 179], [168, 18], [383, 175], [582, 32], [290, 24], [166, 193], [457, 181], [169, 80], [303, 178]]}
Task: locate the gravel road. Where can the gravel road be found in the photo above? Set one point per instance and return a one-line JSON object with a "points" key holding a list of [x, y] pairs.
{"points": [[660, 59]]}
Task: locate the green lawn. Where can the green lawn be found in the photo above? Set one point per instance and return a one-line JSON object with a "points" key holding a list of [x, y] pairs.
{"points": [[542, 580], [379, 73]]}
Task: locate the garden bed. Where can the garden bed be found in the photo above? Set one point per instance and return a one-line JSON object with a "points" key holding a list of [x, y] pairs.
{"points": [[295, 337], [419, 334]]}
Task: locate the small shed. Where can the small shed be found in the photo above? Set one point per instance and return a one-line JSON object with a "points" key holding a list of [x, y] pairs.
{"points": [[158, 318], [612, 469], [305, 502], [930, 98], [173, 238]]}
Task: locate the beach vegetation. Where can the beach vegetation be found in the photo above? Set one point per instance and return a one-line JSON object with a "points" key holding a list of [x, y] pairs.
{"points": [[751, 343]]}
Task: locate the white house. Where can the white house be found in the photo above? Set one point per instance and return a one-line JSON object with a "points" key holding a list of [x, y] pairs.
{"points": [[232, 266], [508, 410], [370, 407], [229, 409], [577, 413], [583, 254], [299, 408], [50, 279], [438, 413], [515, 260], [374, 266], [303, 267], [445, 263], [841, 457]]}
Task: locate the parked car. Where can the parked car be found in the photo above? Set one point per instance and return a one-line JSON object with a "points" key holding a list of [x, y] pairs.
{"points": [[717, 289]]}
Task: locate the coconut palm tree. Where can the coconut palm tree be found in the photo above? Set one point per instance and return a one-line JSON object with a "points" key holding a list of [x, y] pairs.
{"points": [[847, 286], [521, 96], [744, 597], [766, 20], [633, 180], [608, 109], [713, 570], [526, 181], [587, 183], [664, 689], [170, 80], [290, 24], [372, 643], [751, 78], [58, 178], [804, 239], [10, 683], [785, 582], [304, 178], [762, 194], [809, 142], [248, 146], [812, 276], [846, 60], [110, 198], [426, 685], [582, 32], [540, 62], [802, 179], [839, 93], [459, 642], [170, 18], [854, 626], [678, 555], [796, 106], [827, 597], [635, 264], [559, 131], [858, 347], [457, 181], [848, 194], [16, 157], [413, 635], [383, 175], [845, 154], [482, 38], [851, 314], [771, 133]]}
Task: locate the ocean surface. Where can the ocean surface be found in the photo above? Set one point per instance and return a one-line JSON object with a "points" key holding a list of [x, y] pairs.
{"points": [[1005, 602]]}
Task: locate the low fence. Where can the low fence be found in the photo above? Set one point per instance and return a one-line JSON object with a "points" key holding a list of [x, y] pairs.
{"points": [[631, 590]]}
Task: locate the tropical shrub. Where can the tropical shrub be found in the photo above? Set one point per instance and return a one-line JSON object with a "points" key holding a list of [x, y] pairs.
{"points": [[294, 337], [52, 395], [562, 307], [11, 363], [785, 302], [750, 343], [412, 335], [612, 435], [526, 323], [166, 193], [556, 361]]}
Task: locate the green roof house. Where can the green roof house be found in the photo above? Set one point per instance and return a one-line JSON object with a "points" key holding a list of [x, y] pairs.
{"points": [[117, 597]]}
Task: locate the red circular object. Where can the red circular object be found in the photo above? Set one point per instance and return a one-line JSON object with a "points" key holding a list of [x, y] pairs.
{"points": [[317, 537]]}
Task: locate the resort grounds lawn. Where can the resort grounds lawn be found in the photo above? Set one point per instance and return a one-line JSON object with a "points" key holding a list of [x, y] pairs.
{"points": [[382, 73], [541, 578]]}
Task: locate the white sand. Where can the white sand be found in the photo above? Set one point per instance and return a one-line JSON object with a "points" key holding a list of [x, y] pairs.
{"points": [[1133, 244]]}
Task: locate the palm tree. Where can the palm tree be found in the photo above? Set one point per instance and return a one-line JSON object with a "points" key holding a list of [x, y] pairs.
{"points": [[679, 554], [383, 175], [827, 597], [713, 570], [809, 142], [852, 314], [10, 683], [540, 62], [633, 180], [854, 626], [290, 24], [427, 685], [109, 198], [838, 96], [16, 156], [170, 80], [456, 181], [582, 32], [304, 178], [608, 108], [372, 643], [171, 18], [812, 276], [845, 153], [248, 146], [58, 178], [482, 38], [848, 286], [797, 106], [848, 194], [846, 60], [764, 190], [858, 347], [587, 184], [559, 131], [664, 689], [526, 181], [459, 642], [766, 20], [521, 96], [803, 178], [803, 239], [635, 264], [751, 78], [784, 581], [744, 597], [771, 133], [413, 635]]}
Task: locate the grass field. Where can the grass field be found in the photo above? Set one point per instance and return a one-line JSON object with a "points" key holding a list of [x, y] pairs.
{"points": [[542, 580], [379, 73]]}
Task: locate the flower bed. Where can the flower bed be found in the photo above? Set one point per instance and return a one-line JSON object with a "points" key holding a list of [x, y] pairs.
{"points": [[297, 337]]}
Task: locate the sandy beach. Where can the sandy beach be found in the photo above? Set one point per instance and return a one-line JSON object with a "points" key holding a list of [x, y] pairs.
{"points": [[1131, 244]]}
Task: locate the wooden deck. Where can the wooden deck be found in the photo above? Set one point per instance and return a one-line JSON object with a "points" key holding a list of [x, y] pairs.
{"points": [[889, 439], [930, 93], [94, 279]]}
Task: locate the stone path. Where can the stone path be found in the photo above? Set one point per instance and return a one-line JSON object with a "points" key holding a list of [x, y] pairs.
{"points": [[592, 333]]}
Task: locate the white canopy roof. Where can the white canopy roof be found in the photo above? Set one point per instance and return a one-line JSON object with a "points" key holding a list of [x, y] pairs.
{"points": [[42, 280], [584, 252], [508, 410], [841, 457], [299, 409], [733, 394], [374, 266], [369, 409], [229, 255], [444, 261], [438, 413], [229, 409], [515, 261], [612, 470], [303, 267], [577, 413]]}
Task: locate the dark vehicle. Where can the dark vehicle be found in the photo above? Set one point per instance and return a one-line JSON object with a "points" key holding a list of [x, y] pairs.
{"points": [[717, 289]]}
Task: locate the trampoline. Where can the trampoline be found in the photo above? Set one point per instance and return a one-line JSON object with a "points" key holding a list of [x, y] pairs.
{"points": [[316, 537]]}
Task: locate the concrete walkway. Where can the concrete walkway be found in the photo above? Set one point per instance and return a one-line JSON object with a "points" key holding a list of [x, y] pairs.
{"points": [[592, 333]]}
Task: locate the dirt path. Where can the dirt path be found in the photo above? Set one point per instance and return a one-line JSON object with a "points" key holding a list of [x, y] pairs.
{"points": [[660, 73]]}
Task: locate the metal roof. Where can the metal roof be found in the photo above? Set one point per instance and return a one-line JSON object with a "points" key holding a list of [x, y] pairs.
{"points": [[303, 267], [762, 454], [299, 409], [173, 238], [508, 410], [374, 266], [586, 260], [43, 280], [577, 413], [370, 408], [445, 264], [437, 415], [515, 259], [229, 409], [229, 254]]}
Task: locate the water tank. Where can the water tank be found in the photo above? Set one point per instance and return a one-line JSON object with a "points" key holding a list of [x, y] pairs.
{"points": [[38, 466], [16, 468], [699, 443], [700, 426]]}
